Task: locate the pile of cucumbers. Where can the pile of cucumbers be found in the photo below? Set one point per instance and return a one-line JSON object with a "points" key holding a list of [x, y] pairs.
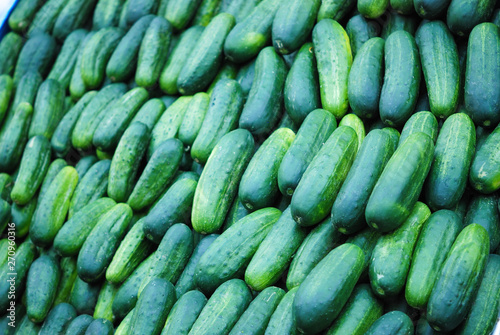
{"points": [[269, 167]]}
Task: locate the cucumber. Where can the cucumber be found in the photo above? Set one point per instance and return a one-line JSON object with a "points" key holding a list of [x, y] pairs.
{"points": [[193, 119], [98, 249], [73, 16], [6, 183], [22, 15], [434, 243], [177, 58], [320, 183], [359, 313], [45, 17], [103, 307], [464, 15], [251, 34], [440, 64], [404, 7], [206, 56], [124, 325], [366, 240], [6, 91], [206, 11], [229, 254], [67, 280], [301, 90], [10, 47], [256, 317], [459, 279], [48, 109], [401, 80], [36, 55], [13, 137], [223, 309], [221, 117], [26, 326], [325, 290], [34, 166], [100, 327], [455, 146], [484, 175], [335, 9], [77, 87], [353, 121], [245, 76], [317, 244], [173, 207], [106, 14], [430, 9], [26, 91], [293, 24], [179, 14], [398, 187], [237, 212], [275, 252], [483, 211], [481, 93], [5, 209], [151, 57], [58, 319], [283, 320], [365, 78], [122, 172], [360, 30], [150, 112], [220, 178], [79, 325], [51, 210], [423, 122], [54, 168], [22, 216], [41, 286], [372, 9], [349, 207], [228, 70], [391, 256], [95, 55], [84, 296], [397, 22], [133, 10], [392, 323], [184, 313], [482, 316]]}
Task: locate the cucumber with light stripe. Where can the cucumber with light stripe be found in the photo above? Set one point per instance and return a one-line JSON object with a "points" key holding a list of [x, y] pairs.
{"points": [[423, 122]]}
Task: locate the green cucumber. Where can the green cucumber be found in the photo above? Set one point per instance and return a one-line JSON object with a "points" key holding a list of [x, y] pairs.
{"points": [[399, 93], [484, 175], [84, 296], [179, 14], [423, 122], [124, 325], [98, 249], [245, 76], [398, 187], [184, 313], [366, 240], [223, 309], [359, 313], [228, 70], [6, 91], [430, 9], [23, 13], [320, 183], [193, 119], [454, 147], [133, 10], [392, 323], [73, 16], [206, 11], [353, 121], [77, 87], [48, 109], [54, 168], [483, 211], [58, 319], [220, 178], [45, 17], [22, 216], [335, 9], [67, 280], [459, 279], [34, 166], [481, 91], [293, 24], [10, 47], [349, 207], [283, 319], [79, 325], [228, 255], [391, 256], [334, 57], [103, 307], [404, 7], [434, 242], [301, 90], [6, 183], [464, 15], [5, 209], [221, 117], [325, 290], [100, 327], [206, 56], [150, 112], [26, 91], [106, 14], [27, 327], [372, 9], [360, 30]]}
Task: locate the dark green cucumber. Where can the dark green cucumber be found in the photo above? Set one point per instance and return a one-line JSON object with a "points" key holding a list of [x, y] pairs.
{"points": [[256, 317], [481, 95], [401, 80], [434, 242], [79, 325], [26, 326], [84, 296], [223, 309], [73, 16], [206, 11], [349, 207], [26, 91], [124, 166], [484, 173], [320, 183], [6, 183], [58, 319], [404, 7], [335, 9], [45, 17], [6, 92], [423, 122], [77, 87], [301, 90], [325, 290], [275, 252], [177, 58], [95, 55], [232, 154], [372, 9], [34, 166], [283, 320], [454, 147], [184, 313], [150, 112], [41, 286], [106, 14], [464, 15], [193, 119], [360, 30], [22, 216], [334, 57], [397, 22], [206, 57], [151, 57], [392, 323], [54, 168], [228, 255], [10, 47], [293, 24], [483, 211], [495, 18], [5, 209], [252, 34], [237, 212], [23, 13], [36, 55], [391, 256], [430, 9], [221, 117], [180, 13], [171, 256], [459, 279], [98, 249], [67, 280], [48, 109], [228, 70], [245, 76], [133, 10], [173, 207], [366, 240], [398, 187], [439, 57], [100, 327], [360, 312]]}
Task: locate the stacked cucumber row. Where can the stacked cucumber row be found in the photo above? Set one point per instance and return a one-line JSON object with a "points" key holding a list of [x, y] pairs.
{"points": [[250, 167]]}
